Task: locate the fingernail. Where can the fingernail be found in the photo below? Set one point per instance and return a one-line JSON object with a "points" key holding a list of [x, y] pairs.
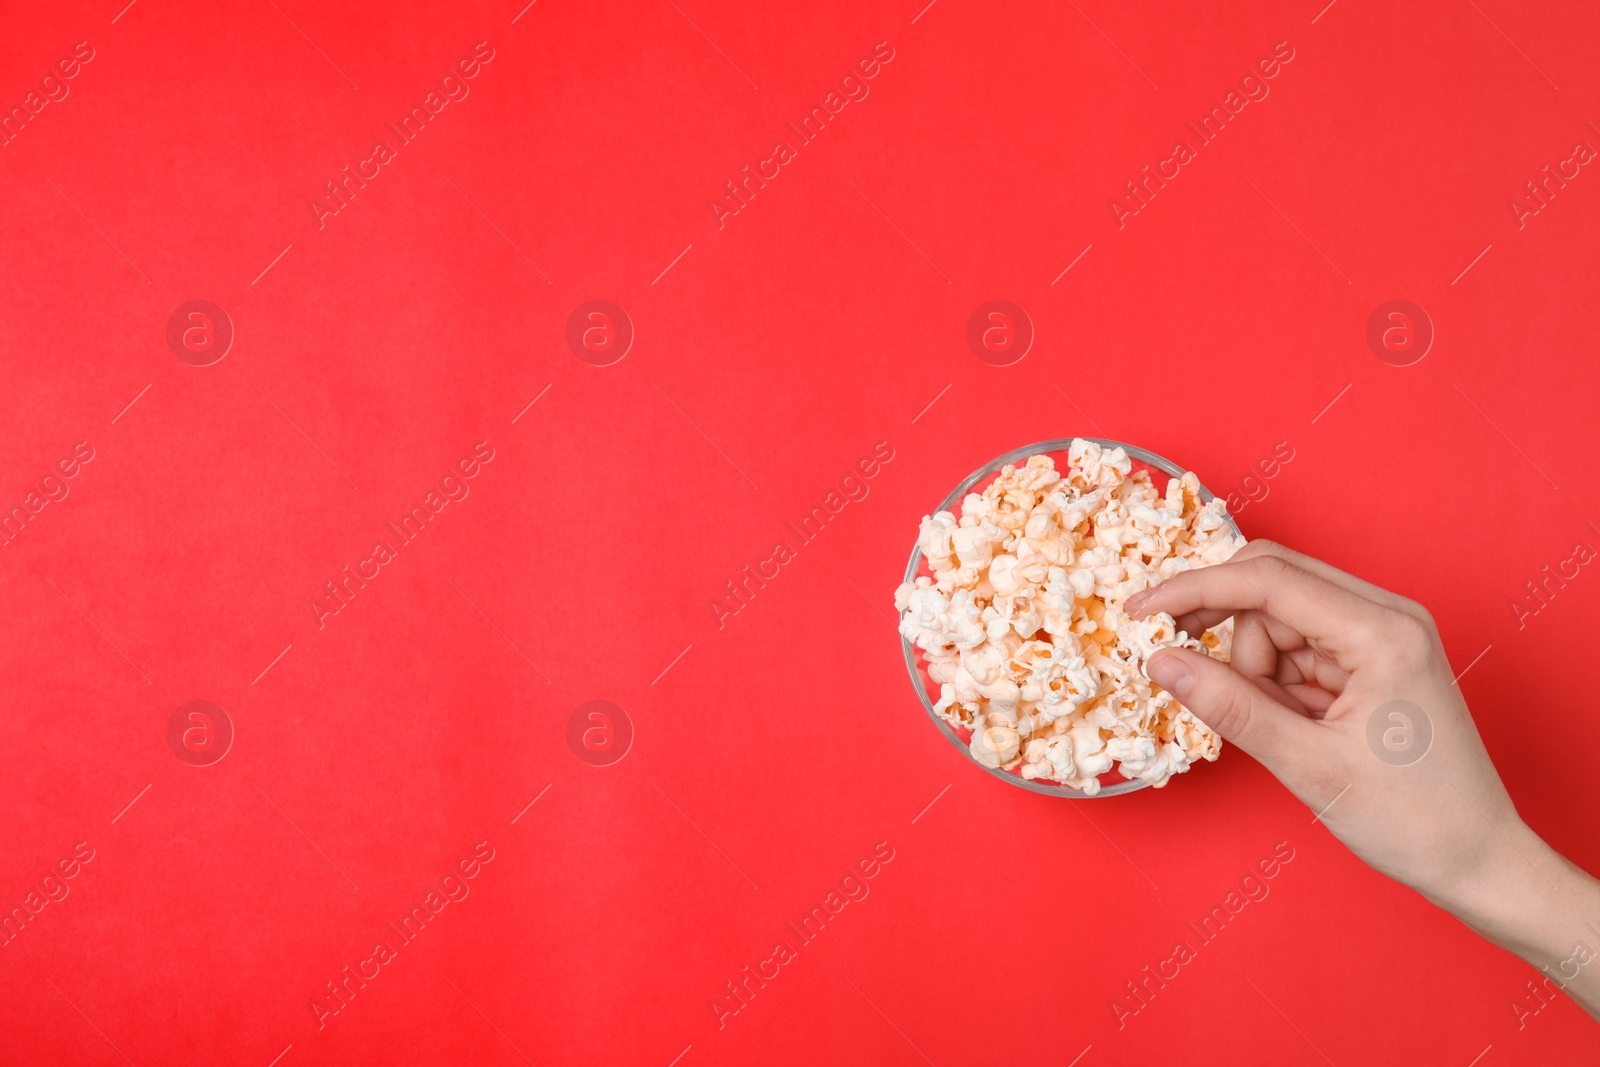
{"points": [[1170, 673], [1138, 600]]}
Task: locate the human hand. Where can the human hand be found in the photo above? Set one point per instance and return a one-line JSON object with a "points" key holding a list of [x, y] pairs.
{"points": [[1344, 692]]}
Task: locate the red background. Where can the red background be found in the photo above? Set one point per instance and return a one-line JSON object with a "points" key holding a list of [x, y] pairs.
{"points": [[772, 753]]}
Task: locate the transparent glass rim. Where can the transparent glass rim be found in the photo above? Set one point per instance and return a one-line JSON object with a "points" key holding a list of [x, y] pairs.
{"points": [[993, 467]]}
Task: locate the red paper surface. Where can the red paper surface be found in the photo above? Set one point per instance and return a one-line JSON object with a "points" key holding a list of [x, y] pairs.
{"points": [[772, 752]]}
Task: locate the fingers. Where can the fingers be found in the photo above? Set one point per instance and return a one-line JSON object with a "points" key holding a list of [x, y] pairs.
{"points": [[1198, 622], [1376, 594], [1234, 707], [1281, 673], [1285, 695], [1305, 666], [1334, 618], [1266, 649], [1254, 654], [1314, 699]]}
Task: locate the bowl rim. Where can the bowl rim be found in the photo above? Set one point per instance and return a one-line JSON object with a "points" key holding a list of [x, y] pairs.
{"points": [[954, 497]]}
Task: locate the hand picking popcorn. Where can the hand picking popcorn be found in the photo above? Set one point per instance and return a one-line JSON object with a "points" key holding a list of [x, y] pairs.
{"points": [[1023, 627]]}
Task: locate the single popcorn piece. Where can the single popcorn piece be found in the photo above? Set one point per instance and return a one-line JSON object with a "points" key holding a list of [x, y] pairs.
{"points": [[994, 746], [1021, 621]]}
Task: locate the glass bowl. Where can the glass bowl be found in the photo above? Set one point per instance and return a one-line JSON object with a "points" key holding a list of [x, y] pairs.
{"points": [[1112, 783]]}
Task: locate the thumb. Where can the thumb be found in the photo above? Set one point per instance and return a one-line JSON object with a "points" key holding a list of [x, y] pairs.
{"points": [[1234, 707]]}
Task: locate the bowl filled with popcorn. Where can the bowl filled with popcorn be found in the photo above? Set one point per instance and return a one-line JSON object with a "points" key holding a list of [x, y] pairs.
{"points": [[1013, 624]]}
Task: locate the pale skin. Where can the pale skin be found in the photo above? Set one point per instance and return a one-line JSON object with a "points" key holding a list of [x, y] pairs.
{"points": [[1316, 653]]}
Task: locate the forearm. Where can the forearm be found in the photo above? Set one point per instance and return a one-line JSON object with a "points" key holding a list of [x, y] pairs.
{"points": [[1532, 902]]}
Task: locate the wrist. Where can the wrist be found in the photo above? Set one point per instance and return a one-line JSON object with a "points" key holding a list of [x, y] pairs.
{"points": [[1525, 897]]}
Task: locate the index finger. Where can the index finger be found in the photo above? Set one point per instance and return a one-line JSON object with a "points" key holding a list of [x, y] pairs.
{"points": [[1375, 593], [1338, 619]]}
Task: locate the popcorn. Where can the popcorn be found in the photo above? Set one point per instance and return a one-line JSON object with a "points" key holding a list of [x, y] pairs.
{"points": [[1021, 619], [994, 746]]}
